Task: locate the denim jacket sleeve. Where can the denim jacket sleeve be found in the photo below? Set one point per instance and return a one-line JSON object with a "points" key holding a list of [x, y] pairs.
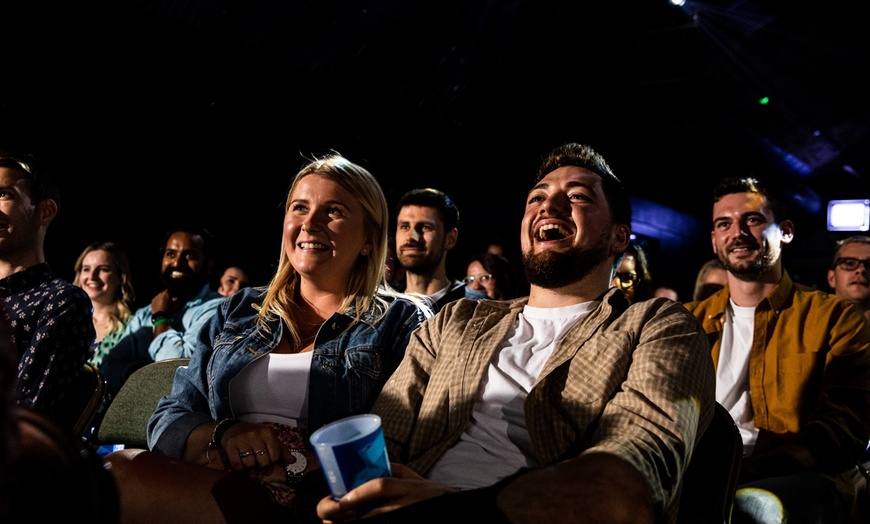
{"points": [[188, 404]]}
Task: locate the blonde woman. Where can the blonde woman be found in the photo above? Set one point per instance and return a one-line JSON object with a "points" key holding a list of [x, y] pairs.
{"points": [[229, 444], [103, 271]]}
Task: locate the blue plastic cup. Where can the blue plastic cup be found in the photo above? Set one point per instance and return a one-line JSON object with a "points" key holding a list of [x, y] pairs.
{"points": [[351, 451]]}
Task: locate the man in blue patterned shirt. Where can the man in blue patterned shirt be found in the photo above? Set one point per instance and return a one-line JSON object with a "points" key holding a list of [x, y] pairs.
{"points": [[50, 318]]}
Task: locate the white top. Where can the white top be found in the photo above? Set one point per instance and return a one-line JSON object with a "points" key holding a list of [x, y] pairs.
{"points": [[732, 372], [496, 443], [273, 388]]}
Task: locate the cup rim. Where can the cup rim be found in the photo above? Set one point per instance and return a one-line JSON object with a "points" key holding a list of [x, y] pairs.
{"points": [[325, 427]]}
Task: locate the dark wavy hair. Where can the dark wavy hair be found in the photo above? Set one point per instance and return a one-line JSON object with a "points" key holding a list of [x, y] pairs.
{"points": [[429, 197], [752, 184], [582, 155], [35, 169]]}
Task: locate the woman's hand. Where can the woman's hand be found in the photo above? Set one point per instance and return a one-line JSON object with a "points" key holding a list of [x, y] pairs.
{"points": [[248, 446], [405, 487]]}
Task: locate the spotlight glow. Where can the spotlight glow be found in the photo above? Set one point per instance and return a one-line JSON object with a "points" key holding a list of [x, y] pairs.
{"points": [[849, 215]]}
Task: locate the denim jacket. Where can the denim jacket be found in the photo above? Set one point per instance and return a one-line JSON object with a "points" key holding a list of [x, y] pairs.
{"points": [[348, 368]]}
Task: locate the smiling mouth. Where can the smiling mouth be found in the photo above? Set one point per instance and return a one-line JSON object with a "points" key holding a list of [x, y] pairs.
{"points": [[741, 249], [552, 232], [313, 245]]}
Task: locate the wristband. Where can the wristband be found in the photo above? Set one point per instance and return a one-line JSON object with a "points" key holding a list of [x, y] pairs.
{"points": [[219, 430], [158, 318], [157, 322]]}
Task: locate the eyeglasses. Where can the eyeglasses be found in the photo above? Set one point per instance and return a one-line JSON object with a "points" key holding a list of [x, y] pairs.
{"points": [[851, 264], [483, 279], [627, 279]]}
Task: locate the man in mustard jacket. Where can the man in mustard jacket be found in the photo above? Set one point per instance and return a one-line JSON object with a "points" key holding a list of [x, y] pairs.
{"points": [[792, 367]]}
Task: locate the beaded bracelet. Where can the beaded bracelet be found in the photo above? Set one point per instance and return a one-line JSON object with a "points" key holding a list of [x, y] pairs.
{"points": [[219, 429]]}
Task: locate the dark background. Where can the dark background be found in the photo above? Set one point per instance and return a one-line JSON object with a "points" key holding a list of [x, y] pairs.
{"points": [[160, 112]]}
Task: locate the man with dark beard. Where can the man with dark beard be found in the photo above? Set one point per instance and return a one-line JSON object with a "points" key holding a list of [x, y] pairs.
{"points": [[792, 367], [569, 405], [427, 228], [168, 327]]}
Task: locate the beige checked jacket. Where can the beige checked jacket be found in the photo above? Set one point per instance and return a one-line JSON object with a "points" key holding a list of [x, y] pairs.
{"points": [[636, 381]]}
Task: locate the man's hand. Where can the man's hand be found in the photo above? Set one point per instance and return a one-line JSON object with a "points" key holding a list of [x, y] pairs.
{"points": [[165, 303], [405, 487]]}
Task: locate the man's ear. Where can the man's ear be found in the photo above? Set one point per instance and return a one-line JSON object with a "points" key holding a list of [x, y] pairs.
{"points": [[787, 229], [832, 279], [621, 238], [452, 237], [47, 210]]}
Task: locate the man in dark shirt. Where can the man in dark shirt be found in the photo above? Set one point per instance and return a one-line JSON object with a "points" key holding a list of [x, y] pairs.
{"points": [[51, 319], [427, 227]]}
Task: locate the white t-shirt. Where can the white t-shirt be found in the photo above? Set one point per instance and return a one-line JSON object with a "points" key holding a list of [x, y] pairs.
{"points": [[496, 443], [273, 388], [732, 372]]}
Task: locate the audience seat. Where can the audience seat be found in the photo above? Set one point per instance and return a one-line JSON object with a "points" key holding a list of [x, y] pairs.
{"points": [[81, 400], [126, 419], [710, 481]]}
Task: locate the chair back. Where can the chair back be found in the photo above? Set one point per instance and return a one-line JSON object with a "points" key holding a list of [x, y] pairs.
{"points": [[126, 419], [81, 401], [710, 481]]}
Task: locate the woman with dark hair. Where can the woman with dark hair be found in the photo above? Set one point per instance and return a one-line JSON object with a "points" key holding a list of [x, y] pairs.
{"points": [[633, 276], [494, 275]]}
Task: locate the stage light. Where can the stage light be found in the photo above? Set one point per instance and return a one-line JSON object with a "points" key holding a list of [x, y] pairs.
{"points": [[849, 215]]}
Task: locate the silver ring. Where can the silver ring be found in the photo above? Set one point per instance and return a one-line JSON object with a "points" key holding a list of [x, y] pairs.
{"points": [[243, 454], [261, 451]]}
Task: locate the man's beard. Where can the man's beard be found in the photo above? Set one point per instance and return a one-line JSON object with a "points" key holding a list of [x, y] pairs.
{"points": [[425, 265], [555, 269], [184, 288], [752, 269]]}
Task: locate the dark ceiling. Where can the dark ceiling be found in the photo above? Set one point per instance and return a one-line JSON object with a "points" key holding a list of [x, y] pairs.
{"points": [[161, 111]]}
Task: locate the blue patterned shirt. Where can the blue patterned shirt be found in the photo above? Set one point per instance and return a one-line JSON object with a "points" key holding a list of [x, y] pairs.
{"points": [[53, 331]]}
